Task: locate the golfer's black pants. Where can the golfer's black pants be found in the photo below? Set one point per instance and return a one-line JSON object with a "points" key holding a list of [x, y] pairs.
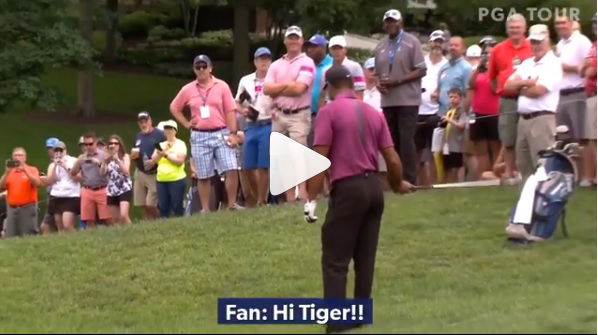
{"points": [[351, 232], [402, 121]]}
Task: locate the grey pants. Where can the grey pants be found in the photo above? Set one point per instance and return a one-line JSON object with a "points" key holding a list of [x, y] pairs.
{"points": [[21, 221]]}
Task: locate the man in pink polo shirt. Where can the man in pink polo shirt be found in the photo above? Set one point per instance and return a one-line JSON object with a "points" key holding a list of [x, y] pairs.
{"points": [[351, 133], [288, 82], [213, 127]]}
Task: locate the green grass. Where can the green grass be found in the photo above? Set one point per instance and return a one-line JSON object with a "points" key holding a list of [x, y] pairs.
{"points": [[443, 266]]}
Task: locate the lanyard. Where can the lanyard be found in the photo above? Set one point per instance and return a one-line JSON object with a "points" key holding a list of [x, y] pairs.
{"points": [[393, 51], [204, 98]]}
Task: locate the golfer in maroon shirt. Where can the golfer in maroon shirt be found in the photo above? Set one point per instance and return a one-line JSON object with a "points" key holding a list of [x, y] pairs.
{"points": [[351, 133]]}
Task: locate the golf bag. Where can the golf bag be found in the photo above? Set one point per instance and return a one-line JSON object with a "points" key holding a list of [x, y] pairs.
{"points": [[544, 196]]}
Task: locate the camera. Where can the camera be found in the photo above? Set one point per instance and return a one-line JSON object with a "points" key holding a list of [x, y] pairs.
{"points": [[12, 164]]}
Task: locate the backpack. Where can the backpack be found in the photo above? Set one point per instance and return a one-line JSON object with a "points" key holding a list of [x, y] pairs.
{"points": [[545, 194]]}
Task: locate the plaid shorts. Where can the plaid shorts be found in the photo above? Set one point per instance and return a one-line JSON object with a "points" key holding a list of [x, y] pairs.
{"points": [[210, 152]]}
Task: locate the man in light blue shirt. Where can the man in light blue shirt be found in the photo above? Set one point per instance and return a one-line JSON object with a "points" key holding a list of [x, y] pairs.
{"points": [[454, 74], [316, 50]]}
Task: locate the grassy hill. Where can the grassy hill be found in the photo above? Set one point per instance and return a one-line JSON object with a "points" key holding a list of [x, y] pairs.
{"points": [[443, 266]]}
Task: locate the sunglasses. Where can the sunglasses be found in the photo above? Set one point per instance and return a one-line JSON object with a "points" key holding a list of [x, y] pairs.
{"points": [[58, 150], [89, 144], [201, 67], [113, 143]]}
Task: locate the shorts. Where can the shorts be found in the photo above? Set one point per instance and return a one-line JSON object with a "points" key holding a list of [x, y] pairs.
{"points": [[485, 128], [507, 122], [424, 130], [61, 205], [453, 160], [256, 148], [572, 113], [92, 202], [210, 152], [591, 118], [144, 189], [116, 200], [296, 126]]}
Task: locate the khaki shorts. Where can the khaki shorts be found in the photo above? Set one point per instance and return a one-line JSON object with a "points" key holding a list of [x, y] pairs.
{"points": [[144, 189], [591, 118], [507, 122], [296, 126]]}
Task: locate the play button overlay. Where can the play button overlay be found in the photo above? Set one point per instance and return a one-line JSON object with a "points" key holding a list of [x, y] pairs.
{"points": [[292, 163]]}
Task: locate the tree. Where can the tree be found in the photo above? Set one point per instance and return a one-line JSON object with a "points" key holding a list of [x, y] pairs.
{"points": [[85, 98], [240, 38], [110, 50], [36, 36]]}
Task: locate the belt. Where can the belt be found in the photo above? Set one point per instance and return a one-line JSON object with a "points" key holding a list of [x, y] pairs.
{"points": [[366, 174], [21, 206], [511, 97], [527, 116], [293, 111], [213, 130], [259, 122], [94, 188], [568, 91]]}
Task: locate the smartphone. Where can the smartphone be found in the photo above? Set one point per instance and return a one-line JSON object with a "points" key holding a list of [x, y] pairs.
{"points": [[158, 147], [12, 164]]}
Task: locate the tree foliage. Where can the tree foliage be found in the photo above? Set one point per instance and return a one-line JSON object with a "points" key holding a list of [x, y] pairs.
{"points": [[36, 36]]}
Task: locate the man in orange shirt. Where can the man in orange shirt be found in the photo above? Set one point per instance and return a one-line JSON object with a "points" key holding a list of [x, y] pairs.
{"points": [[21, 182], [504, 61]]}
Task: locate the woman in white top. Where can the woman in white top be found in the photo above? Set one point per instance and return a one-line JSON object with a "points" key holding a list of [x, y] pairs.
{"points": [[66, 190], [120, 185]]}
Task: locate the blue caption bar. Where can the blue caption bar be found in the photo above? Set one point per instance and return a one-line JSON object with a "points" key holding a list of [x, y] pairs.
{"points": [[294, 311]]}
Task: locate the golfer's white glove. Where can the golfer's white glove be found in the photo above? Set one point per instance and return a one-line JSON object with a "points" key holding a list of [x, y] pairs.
{"points": [[309, 210]]}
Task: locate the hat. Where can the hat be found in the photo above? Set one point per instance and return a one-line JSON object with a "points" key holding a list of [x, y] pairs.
{"points": [[293, 30], [60, 145], [51, 142], [392, 14], [318, 40], [81, 140], [202, 59], [262, 51], [170, 124], [100, 141], [336, 74], [437, 34], [338, 40], [487, 40], [473, 51], [370, 63], [594, 18], [143, 116], [538, 32]]}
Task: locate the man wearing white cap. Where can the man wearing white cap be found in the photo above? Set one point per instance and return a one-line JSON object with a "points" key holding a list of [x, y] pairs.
{"points": [[288, 82], [338, 50], [473, 55], [400, 66], [572, 49], [428, 119], [537, 80]]}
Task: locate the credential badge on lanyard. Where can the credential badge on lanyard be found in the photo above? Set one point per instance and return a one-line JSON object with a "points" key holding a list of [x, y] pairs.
{"points": [[204, 109], [393, 51]]}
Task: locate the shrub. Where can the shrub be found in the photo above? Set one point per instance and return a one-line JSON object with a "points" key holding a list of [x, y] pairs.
{"points": [[98, 40], [138, 24], [161, 33], [359, 55]]}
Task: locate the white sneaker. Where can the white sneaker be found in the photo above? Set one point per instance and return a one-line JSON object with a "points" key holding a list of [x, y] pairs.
{"points": [[236, 207], [585, 183]]}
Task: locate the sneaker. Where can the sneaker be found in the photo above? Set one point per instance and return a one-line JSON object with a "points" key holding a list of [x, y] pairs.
{"points": [[585, 183], [511, 181], [236, 207]]}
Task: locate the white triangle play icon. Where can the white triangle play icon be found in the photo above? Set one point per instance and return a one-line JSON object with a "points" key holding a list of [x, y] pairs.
{"points": [[291, 163]]}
